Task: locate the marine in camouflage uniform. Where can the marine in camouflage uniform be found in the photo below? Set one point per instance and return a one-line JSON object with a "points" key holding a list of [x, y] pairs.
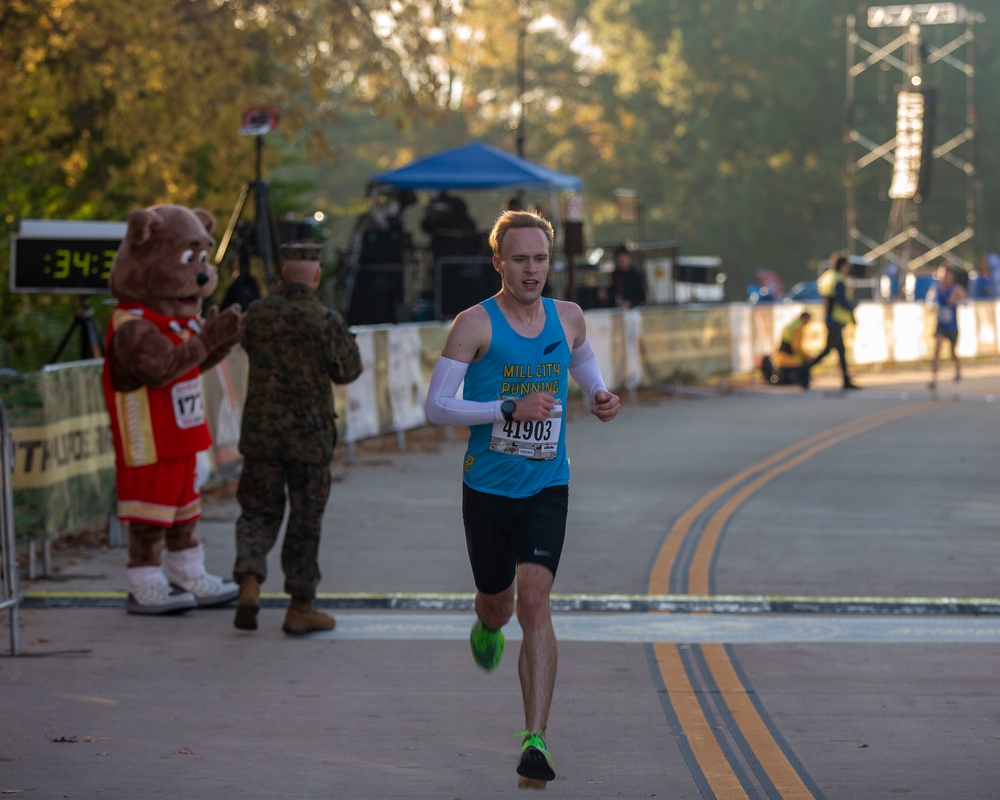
{"points": [[296, 346]]}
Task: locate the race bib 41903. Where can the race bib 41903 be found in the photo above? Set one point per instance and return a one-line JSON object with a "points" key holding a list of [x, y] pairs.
{"points": [[536, 439]]}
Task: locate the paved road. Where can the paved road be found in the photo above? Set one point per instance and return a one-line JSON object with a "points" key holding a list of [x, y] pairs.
{"points": [[766, 593]]}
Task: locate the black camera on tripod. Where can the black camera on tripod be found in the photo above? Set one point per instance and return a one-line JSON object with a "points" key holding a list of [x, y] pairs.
{"points": [[262, 235], [259, 121]]}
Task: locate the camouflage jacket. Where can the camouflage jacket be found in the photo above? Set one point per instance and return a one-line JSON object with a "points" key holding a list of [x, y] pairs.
{"points": [[296, 346]]}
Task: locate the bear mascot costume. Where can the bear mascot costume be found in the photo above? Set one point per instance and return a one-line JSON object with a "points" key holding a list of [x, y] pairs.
{"points": [[157, 347]]}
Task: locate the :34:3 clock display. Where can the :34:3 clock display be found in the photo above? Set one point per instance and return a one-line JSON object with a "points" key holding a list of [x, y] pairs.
{"points": [[70, 266]]}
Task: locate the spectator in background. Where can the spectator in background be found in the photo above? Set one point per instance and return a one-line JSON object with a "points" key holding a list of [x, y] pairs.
{"points": [[991, 267], [628, 285], [947, 297], [244, 288], [452, 230], [792, 361], [891, 287], [839, 305], [771, 286]]}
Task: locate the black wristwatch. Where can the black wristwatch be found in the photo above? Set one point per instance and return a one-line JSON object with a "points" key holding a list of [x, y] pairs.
{"points": [[507, 408]]}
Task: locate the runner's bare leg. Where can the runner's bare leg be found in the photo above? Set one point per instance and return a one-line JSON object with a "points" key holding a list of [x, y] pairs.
{"points": [[494, 610], [538, 658]]}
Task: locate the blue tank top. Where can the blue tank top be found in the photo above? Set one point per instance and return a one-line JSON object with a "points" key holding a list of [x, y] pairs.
{"points": [[519, 459], [947, 316]]}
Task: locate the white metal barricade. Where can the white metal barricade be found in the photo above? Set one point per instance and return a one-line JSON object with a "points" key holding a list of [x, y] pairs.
{"points": [[8, 556]]}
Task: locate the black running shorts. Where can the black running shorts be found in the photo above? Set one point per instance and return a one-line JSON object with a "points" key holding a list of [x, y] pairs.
{"points": [[949, 334], [501, 532]]}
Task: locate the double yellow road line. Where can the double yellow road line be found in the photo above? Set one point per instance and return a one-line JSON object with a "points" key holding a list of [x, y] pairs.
{"points": [[733, 749]]}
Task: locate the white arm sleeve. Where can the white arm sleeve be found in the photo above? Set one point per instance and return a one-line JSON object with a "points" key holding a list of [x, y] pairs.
{"points": [[443, 408], [586, 371]]}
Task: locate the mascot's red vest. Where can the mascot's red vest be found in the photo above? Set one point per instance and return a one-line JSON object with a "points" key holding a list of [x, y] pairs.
{"points": [[161, 422]]}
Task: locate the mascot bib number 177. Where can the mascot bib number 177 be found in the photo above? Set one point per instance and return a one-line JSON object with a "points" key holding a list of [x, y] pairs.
{"points": [[157, 348]]}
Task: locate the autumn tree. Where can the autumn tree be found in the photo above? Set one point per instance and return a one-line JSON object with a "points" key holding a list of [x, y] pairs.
{"points": [[725, 116], [105, 108]]}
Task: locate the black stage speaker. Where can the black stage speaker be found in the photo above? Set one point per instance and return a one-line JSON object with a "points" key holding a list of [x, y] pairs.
{"points": [[463, 284], [859, 268], [573, 237], [377, 297], [689, 273]]}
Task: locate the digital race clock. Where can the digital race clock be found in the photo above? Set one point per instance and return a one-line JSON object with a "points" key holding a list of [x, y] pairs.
{"points": [[63, 257]]}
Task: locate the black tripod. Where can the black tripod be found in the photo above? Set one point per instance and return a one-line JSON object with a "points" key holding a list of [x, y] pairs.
{"points": [[265, 225], [90, 342]]}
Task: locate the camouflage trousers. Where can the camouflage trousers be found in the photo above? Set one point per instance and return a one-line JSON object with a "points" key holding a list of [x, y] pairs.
{"points": [[261, 494]]}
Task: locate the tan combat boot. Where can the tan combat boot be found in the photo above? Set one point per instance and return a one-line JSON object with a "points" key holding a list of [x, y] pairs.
{"points": [[248, 603], [303, 617]]}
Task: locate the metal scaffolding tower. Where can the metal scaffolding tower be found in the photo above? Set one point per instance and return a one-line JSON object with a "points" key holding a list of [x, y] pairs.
{"points": [[927, 81]]}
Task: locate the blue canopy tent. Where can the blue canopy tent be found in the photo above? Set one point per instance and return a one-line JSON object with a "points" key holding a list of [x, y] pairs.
{"points": [[384, 288], [475, 166]]}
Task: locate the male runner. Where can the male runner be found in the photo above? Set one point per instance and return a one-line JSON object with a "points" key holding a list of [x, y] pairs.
{"points": [[515, 352], [947, 297]]}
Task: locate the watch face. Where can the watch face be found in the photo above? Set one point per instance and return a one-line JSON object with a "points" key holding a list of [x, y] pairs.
{"points": [[508, 407]]}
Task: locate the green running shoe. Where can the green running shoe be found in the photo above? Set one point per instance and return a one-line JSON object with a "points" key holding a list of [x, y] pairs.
{"points": [[535, 766], [487, 647]]}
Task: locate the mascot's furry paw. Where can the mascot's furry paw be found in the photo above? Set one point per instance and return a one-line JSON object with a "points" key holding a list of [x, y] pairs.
{"points": [[220, 331]]}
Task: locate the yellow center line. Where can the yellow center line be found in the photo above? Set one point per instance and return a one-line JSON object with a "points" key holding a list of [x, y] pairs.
{"points": [[782, 774], [698, 733], [700, 568], [711, 759], [659, 581]]}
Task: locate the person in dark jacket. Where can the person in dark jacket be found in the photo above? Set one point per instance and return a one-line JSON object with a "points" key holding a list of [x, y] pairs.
{"points": [[628, 286], [839, 307]]}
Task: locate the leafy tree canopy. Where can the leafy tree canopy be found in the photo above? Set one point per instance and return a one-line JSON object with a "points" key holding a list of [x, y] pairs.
{"points": [[725, 116]]}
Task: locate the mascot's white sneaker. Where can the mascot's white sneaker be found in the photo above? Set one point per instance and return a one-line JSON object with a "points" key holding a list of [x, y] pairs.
{"points": [[209, 590], [186, 571], [149, 593]]}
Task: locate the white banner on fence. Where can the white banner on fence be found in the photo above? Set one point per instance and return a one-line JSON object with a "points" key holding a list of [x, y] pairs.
{"points": [[599, 336], [968, 340], [229, 411], [633, 358], [224, 387], [996, 317], [762, 335], [908, 340], [362, 402], [406, 383], [740, 338], [986, 332], [870, 346]]}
